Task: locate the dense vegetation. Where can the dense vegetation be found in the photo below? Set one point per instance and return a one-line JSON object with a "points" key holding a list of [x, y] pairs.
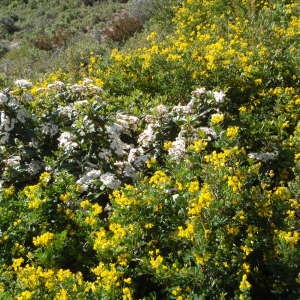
{"points": [[166, 168]]}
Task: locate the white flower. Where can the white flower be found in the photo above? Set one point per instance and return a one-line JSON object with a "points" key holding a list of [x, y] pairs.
{"points": [[4, 138], [110, 180], [264, 156], [209, 131], [22, 115], [13, 161], [126, 121], [87, 81], [23, 83], [120, 148], [78, 88], [104, 154], [66, 140], [147, 137], [199, 91], [184, 109], [126, 169], [137, 157], [66, 111], [178, 148], [6, 123], [56, 85], [219, 96], [3, 98], [49, 129], [88, 178], [161, 110]]}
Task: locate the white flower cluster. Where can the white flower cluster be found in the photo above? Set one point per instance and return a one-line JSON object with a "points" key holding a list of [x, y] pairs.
{"points": [[49, 129], [85, 87], [110, 180], [12, 162], [67, 141], [217, 96], [3, 98], [23, 83], [263, 156], [88, 178], [178, 148]]}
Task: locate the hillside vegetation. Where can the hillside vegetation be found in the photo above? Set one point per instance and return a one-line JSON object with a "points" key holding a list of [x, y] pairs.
{"points": [[40, 36], [165, 168]]}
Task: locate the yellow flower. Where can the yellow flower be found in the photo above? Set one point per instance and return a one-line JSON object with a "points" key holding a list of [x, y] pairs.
{"points": [[245, 284], [26, 295], [85, 204], [45, 178], [217, 118], [290, 237], [148, 225], [17, 263], [232, 131], [128, 280], [246, 267], [243, 109], [126, 294], [193, 187], [201, 260], [258, 81], [282, 192], [35, 203], [178, 186], [62, 295], [44, 239], [156, 262], [187, 233], [150, 162], [247, 250], [234, 183], [176, 291], [168, 145], [97, 209], [160, 179], [121, 199], [65, 197], [9, 191], [90, 221], [199, 145], [204, 200]]}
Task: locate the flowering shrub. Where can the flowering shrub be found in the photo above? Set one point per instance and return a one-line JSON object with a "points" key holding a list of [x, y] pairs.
{"points": [[123, 186]]}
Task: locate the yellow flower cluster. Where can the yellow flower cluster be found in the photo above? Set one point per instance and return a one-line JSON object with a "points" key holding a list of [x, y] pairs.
{"points": [[217, 118], [199, 145], [290, 237], [160, 179], [187, 233], [232, 131], [156, 260], [108, 276], [245, 284], [204, 200], [121, 199], [193, 186], [234, 183], [44, 240]]}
